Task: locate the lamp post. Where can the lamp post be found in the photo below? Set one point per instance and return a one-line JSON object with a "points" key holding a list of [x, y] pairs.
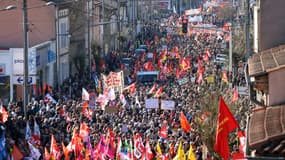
{"points": [[26, 72]]}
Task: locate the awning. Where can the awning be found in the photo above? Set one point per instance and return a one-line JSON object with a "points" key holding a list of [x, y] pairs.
{"points": [[266, 61], [266, 132]]}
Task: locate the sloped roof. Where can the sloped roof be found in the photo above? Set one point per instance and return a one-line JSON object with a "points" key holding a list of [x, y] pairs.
{"points": [[267, 60], [266, 131]]}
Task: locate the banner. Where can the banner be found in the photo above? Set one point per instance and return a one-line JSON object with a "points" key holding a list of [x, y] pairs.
{"points": [[195, 19], [151, 103], [210, 79], [114, 80], [192, 11], [167, 105]]}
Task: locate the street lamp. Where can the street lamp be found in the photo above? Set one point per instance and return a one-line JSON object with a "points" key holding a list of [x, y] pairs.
{"points": [[10, 7]]}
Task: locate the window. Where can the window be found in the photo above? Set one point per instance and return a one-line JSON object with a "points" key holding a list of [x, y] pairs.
{"points": [[63, 35]]}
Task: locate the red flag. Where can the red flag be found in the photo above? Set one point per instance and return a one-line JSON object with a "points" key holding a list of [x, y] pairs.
{"points": [[151, 91], [200, 67], [4, 113], [148, 66], [163, 55], [163, 132], [184, 123], [54, 149], [49, 89], [184, 63], [227, 26], [226, 124], [235, 96], [224, 76], [85, 106], [205, 57], [16, 153], [148, 155], [86, 111], [132, 88], [35, 90], [101, 145], [47, 156], [158, 92], [207, 52], [139, 147], [200, 78], [165, 69], [159, 64], [177, 73], [84, 130], [110, 149], [242, 141], [44, 88], [65, 151]]}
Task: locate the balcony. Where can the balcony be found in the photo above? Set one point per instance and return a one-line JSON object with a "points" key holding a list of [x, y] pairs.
{"points": [[111, 4]]}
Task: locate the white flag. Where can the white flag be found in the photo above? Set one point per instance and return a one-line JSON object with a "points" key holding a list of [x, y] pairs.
{"points": [[111, 94], [138, 102], [123, 99], [36, 129], [34, 152], [28, 131], [85, 95], [48, 97]]}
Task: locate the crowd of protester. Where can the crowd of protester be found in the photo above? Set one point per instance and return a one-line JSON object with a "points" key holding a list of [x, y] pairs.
{"points": [[63, 117]]}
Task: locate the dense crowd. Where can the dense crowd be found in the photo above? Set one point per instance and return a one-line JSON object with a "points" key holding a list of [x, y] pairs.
{"points": [[63, 117]]}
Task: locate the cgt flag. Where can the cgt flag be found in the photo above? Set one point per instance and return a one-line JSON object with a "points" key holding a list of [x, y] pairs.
{"points": [[226, 124]]}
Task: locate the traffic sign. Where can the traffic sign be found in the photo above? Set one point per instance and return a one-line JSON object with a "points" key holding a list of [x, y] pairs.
{"points": [[20, 80]]}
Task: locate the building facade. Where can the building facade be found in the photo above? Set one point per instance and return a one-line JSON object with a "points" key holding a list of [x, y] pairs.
{"points": [[41, 32]]}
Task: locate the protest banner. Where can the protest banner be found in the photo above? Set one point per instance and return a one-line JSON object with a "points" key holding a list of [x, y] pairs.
{"points": [[151, 103], [167, 105]]}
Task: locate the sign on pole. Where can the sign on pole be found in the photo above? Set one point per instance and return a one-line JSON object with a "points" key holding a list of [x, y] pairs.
{"points": [[18, 61], [19, 80]]}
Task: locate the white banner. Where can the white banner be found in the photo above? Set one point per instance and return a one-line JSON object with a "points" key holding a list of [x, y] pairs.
{"points": [[192, 11], [195, 18], [114, 80], [168, 105], [151, 103], [18, 61]]}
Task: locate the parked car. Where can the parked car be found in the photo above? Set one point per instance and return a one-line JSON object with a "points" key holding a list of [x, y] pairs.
{"points": [[147, 77], [138, 52], [127, 62]]}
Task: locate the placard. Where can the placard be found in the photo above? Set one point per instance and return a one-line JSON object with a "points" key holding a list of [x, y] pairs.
{"points": [[167, 105], [151, 103]]}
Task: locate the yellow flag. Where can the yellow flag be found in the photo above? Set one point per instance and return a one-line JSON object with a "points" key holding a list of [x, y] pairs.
{"points": [[191, 154], [158, 149], [180, 153]]}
